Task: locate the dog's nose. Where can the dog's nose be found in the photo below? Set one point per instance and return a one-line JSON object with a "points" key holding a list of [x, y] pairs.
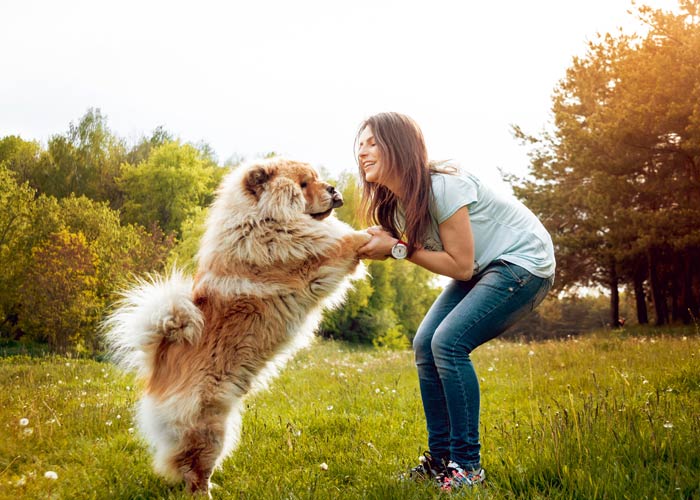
{"points": [[331, 189]]}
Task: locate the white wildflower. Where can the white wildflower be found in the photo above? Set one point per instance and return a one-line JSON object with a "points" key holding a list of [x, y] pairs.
{"points": [[49, 474], [324, 466], [329, 407], [531, 353], [668, 425], [23, 422]]}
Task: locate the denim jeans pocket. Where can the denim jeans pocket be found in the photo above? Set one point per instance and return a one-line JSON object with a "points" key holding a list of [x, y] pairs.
{"points": [[520, 275]]}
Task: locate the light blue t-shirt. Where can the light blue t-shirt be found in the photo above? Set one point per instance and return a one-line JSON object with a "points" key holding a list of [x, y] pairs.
{"points": [[503, 228]]}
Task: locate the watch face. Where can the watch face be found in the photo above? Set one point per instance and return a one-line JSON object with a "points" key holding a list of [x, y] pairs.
{"points": [[399, 251]]}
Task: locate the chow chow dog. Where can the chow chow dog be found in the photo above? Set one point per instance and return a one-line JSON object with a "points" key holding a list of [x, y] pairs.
{"points": [[271, 258]]}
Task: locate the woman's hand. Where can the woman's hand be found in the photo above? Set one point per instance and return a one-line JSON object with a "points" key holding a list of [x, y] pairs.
{"points": [[379, 247]]}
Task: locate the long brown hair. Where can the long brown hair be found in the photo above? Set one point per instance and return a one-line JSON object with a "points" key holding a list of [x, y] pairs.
{"points": [[404, 156]]}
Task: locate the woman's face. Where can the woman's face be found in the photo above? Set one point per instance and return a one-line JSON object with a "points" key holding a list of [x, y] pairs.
{"points": [[369, 156]]}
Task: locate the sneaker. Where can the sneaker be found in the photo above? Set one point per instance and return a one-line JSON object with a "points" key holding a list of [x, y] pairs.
{"points": [[428, 468], [456, 477]]}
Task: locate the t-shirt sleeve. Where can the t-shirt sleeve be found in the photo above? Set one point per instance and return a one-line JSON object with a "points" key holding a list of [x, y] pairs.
{"points": [[452, 192]]}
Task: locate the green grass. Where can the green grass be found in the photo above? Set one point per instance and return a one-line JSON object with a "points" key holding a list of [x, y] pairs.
{"points": [[603, 416]]}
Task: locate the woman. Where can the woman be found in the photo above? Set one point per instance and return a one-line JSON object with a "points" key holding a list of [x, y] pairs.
{"points": [[498, 253]]}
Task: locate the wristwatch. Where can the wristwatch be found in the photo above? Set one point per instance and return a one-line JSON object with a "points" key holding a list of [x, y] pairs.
{"points": [[399, 250]]}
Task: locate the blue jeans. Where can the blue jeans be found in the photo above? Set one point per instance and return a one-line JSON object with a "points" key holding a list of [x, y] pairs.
{"points": [[464, 316]]}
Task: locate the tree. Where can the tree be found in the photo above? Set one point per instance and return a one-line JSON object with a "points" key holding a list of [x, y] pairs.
{"points": [[84, 161], [25, 220], [617, 182], [168, 187], [59, 303]]}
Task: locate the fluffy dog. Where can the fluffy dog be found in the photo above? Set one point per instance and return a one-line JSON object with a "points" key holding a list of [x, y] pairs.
{"points": [[271, 258]]}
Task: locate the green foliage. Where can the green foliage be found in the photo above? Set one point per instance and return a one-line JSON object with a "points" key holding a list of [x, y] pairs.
{"points": [[390, 333], [184, 254], [29, 226], [168, 187], [84, 161], [59, 303], [19, 156], [25, 221], [122, 250], [625, 426]]}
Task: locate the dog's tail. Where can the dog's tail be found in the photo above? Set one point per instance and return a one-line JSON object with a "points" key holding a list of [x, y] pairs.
{"points": [[155, 309]]}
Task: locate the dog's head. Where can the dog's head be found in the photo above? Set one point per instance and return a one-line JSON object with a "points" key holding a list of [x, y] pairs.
{"points": [[284, 188]]}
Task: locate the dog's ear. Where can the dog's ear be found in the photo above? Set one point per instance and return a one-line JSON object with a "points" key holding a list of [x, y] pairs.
{"points": [[256, 179]]}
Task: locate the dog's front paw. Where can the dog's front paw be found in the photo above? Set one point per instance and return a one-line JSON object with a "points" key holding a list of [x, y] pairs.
{"points": [[359, 239]]}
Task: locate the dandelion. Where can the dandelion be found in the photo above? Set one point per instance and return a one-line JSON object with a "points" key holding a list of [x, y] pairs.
{"points": [[49, 474], [324, 466], [23, 422], [119, 417], [668, 425], [377, 390]]}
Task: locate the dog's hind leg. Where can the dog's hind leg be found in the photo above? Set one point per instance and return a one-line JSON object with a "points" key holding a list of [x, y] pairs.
{"points": [[199, 453]]}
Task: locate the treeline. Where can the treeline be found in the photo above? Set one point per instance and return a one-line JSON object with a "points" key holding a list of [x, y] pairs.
{"points": [[617, 179], [83, 216]]}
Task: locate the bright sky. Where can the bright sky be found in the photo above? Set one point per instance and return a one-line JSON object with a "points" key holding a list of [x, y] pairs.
{"points": [[298, 76]]}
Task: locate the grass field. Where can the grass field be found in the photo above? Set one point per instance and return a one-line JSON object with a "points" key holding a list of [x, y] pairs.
{"points": [[609, 415]]}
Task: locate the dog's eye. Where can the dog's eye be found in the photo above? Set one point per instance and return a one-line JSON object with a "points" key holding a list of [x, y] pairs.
{"points": [[303, 185]]}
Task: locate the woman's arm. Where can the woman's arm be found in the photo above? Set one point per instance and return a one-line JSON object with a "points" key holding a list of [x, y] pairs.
{"points": [[455, 261]]}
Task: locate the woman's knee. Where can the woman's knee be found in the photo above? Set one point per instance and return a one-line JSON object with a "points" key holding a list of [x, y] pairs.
{"points": [[421, 347], [445, 346]]}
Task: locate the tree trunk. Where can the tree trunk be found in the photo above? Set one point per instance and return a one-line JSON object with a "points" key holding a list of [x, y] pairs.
{"points": [[639, 296], [688, 300], [657, 291], [675, 289], [614, 296]]}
